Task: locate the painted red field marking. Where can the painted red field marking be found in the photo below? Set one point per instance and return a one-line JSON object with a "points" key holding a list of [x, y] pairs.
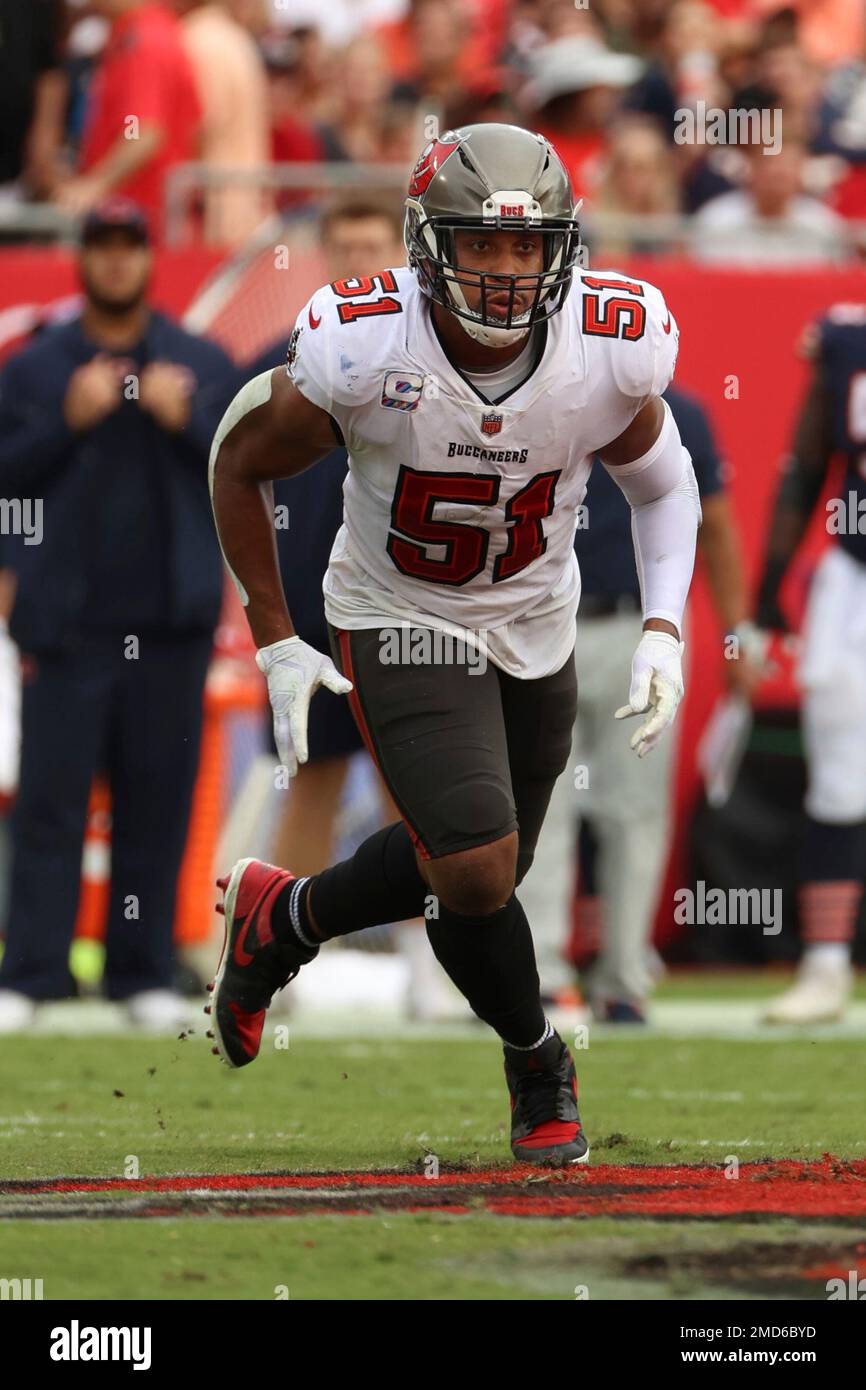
{"points": [[604, 1175], [829, 1187]]}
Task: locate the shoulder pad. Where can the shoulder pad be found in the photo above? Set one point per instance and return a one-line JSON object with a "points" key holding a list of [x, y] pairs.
{"points": [[640, 328], [341, 338]]}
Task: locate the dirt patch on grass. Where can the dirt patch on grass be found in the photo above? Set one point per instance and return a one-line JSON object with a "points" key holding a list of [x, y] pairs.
{"points": [[792, 1269]]}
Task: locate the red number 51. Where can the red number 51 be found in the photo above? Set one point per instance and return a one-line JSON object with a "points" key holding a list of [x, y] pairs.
{"points": [[465, 545]]}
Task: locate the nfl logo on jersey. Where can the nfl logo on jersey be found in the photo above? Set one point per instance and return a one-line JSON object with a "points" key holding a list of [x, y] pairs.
{"points": [[491, 424]]}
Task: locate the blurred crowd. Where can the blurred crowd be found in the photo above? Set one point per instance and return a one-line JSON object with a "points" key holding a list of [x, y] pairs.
{"points": [[106, 96]]}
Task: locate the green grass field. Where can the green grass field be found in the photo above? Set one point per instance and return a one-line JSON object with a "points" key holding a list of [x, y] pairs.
{"points": [[113, 1107]]}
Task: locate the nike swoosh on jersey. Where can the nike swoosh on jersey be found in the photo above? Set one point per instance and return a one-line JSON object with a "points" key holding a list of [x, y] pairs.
{"points": [[666, 325], [314, 323]]}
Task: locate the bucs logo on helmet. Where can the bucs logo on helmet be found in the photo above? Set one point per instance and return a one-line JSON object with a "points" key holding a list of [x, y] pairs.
{"points": [[430, 162], [503, 181]]}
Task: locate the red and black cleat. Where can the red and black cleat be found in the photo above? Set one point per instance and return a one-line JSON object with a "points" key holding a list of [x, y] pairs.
{"points": [[545, 1124], [253, 965]]}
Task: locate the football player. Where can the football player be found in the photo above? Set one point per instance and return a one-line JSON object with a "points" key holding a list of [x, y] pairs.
{"points": [[472, 389], [833, 667]]}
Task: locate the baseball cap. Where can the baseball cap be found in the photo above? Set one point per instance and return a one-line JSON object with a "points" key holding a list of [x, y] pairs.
{"points": [[115, 214]]}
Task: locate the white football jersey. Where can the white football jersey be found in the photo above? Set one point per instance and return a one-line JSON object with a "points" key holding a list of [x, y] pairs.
{"points": [[459, 514]]}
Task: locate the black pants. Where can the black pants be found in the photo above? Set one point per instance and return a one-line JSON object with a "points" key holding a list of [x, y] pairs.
{"points": [[468, 757], [139, 721]]}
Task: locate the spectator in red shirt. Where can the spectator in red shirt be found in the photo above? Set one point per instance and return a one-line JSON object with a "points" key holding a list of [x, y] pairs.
{"points": [[143, 112]]}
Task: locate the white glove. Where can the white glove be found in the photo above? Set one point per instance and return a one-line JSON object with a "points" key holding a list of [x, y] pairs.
{"points": [[294, 671], [657, 685]]}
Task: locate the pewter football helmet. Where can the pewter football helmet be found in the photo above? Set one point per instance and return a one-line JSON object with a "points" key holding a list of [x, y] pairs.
{"points": [[491, 177]]}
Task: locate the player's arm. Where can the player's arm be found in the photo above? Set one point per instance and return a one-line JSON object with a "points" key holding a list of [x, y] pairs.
{"points": [[799, 489], [654, 472], [269, 431]]}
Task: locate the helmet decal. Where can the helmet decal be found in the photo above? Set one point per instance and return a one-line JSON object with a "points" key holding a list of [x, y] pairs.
{"points": [[430, 162]]}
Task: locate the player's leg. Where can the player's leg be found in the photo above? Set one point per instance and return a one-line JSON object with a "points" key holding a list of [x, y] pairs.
{"points": [[539, 719], [429, 997], [438, 737], [64, 703], [405, 715], [833, 853], [437, 734], [153, 753], [546, 890]]}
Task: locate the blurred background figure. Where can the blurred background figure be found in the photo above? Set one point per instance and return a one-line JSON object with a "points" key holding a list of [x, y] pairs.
{"points": [[832, 861], [10, 718], [143, 113], [638, 181], [108, 419], [358, 238], [770, 221], [626, 802], [232, 84], [32, 98], [367, 124]]}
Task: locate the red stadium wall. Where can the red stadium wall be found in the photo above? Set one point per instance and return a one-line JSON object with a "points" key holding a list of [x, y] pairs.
{"points": [[734, 325], [46, 276]]}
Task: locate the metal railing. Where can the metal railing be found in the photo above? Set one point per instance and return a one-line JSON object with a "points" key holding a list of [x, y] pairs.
{"points": [[187, 183]]}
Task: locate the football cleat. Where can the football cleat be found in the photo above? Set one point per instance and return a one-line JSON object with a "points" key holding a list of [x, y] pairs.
{"points": [[819, 994], [253, 965], [545, 1124]]}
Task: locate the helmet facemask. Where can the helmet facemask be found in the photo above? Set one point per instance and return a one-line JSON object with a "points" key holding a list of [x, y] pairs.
{"points": [[431, 241]]}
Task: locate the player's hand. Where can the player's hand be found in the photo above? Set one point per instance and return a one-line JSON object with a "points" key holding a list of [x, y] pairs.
{"points": [[294, 671], [656, 686], [94, 391], [165, 392]]}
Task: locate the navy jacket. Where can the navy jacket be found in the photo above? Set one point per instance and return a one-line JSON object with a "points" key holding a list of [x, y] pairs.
{"points": [[128, 540]]}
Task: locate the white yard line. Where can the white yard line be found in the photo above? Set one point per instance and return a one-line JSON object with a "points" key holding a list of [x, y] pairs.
{"points": [[680, 1018]]}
